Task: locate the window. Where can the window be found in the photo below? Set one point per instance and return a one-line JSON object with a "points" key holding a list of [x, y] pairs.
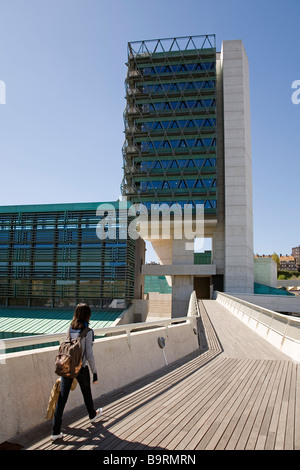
{"points": [[174, 125], [190, 183], [199, 143], [190, 86], [156, 184], [174, 184]]}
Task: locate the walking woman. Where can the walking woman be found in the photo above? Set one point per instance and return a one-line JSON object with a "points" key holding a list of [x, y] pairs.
{"points": [[80, 321]]}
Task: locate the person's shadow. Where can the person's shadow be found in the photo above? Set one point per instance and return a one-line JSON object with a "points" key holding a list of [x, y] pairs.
{"points": [[98, 437]]}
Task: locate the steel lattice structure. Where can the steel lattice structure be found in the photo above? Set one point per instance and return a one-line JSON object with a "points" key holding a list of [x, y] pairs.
{"points": [[170, 151]]}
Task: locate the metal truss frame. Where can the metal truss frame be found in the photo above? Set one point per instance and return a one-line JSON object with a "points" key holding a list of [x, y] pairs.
{"points": [[170, 122]]}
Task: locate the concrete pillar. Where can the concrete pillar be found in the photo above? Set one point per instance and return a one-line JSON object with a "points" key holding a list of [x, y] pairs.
{"points": [[218, 234], [177, 253], [237, 169], [182, 288]]}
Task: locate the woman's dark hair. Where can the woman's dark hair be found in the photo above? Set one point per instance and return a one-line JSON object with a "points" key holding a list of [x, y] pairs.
{"points": [[82, 314]]}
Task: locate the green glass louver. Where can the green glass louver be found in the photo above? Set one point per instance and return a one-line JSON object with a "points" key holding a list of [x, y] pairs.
{"points": [[51, 255], [170, 151]]}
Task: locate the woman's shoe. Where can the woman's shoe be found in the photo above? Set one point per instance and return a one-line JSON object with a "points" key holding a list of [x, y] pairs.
{"points": [[98, 413], [54, 437]]}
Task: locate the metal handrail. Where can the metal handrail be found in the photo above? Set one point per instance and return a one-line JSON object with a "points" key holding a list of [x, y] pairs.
{"points": [[264, 312]]}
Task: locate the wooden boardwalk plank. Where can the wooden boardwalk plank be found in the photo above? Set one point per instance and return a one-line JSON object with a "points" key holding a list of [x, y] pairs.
{"points": [[297, 411], [275, 417], [283, 405], [238, 420], [249, 436], [239, 437], [290, 420], [265, 427]]}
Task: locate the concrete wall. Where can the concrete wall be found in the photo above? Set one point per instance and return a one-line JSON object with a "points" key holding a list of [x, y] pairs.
{"points": [[179, 270], [27, 378], [237, 169], [277, 303], [288, 283], [265, 271], [156, 305]]}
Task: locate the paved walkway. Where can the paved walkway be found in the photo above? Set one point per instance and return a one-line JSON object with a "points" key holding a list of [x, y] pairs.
{"points": [[238, 392]]}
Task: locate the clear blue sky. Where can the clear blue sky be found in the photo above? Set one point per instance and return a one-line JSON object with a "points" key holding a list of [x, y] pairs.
{"points": [[63, 63]]}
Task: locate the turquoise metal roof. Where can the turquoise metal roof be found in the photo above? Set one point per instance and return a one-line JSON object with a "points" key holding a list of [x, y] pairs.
{"points": [[16, 322], [78, 206], [267, 290], [157, 284], [37, 321]]}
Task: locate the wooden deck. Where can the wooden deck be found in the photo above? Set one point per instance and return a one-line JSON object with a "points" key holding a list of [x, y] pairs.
{"points": [[237, 393]]}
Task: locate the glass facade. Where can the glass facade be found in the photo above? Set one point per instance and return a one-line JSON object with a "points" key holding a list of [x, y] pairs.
{"points": [[170, 144], [53, 257]]}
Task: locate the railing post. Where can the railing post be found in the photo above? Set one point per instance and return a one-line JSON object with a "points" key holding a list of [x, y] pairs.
{"points": [[283, 335], [2, 352], [128, 337]]}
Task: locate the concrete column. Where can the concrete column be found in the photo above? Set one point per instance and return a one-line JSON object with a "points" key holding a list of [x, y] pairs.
{"points": [[182, 288], [174, 252], [237, 169], [218, 234]]}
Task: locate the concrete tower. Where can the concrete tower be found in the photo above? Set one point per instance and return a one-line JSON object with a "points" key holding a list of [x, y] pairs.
{"points": [[188, 144]]}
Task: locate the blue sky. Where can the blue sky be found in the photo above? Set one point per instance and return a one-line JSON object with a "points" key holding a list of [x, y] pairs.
{"points": [[63, 63]]}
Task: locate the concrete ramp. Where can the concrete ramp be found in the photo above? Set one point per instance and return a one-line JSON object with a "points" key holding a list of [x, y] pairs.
{"points": [[236, 338]]}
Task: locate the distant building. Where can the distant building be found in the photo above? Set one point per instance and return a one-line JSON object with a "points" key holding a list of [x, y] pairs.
{"points": [[288, 263], [296, 253]]}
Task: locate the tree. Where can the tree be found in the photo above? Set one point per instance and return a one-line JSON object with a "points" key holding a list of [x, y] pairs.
{"points": [[275, 257]]}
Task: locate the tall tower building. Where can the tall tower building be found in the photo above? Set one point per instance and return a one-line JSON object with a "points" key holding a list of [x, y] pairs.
{"points": [[170, 123], [187, 142]]}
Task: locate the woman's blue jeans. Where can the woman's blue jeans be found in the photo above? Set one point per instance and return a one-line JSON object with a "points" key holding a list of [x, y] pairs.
{"points": [[83, 379]]}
